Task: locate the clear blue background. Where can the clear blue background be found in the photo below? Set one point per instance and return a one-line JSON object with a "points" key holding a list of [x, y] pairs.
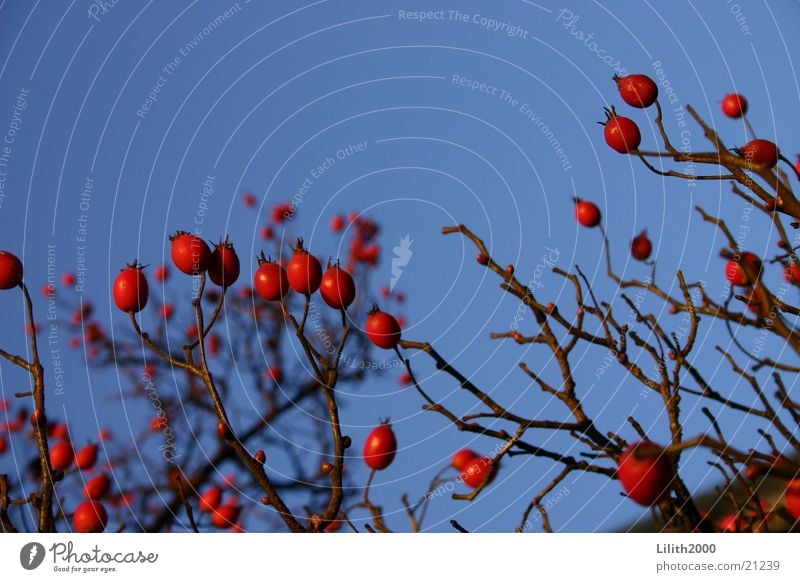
{"points": [[280, 86]]}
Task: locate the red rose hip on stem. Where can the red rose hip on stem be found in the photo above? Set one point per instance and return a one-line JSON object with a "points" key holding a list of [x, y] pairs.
{"points": [[90, 517], [189, 253], [130, 289], [641, 247], [621, 134], [476, 470], [462, 457], [86, 457], [734, 105], [304, 270], [382, 329], [380, 447], [223, 267], [337, 288], [210, 499], [587, 213], [792, 274], [10, 270], [645, 472], [61, 456], [226, 515], [637, 90], [270, 280], [734, 272], [97, 487], [761, 152]]}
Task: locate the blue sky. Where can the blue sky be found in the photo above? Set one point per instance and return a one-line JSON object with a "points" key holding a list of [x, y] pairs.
{"points": [[147, 101]]}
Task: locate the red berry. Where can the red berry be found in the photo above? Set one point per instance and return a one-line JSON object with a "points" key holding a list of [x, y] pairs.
{"points": [[223, 267], [282, 212], [304, 271], [734, 105], [735, 273], [213, 344], [38, 418], [637, 90], [125, 497], [792, 273], [167, 310], [270, 280], [61, 456], [97, 487], [68, 279], [189, 253], [274, 373], [645, 472], [380, 447], [226, 515], [161, 273], [249, 199], [641, 247], [462, 457], [477, 469], [621, 134], [210, 500], [10, 270], [158, 423], [337, 288], [731, 524], [587, 213], [130, 289], [86, 457], [756, 469], [792, 498], [267, 233], [382, 329], [761, 152], [90, 517], [337, 223], [3, 444]]}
